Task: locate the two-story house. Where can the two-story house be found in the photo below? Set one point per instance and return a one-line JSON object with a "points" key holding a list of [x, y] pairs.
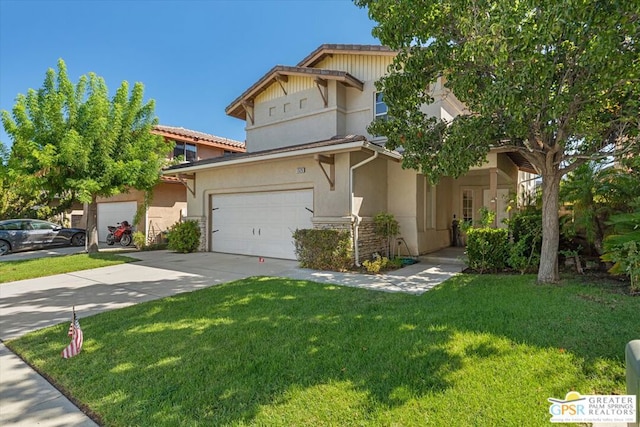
{"points": [[310, 162], [168, 202]]}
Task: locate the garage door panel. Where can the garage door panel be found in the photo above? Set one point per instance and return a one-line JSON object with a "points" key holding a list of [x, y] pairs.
{"points": [[111, 213], [260, 224]]}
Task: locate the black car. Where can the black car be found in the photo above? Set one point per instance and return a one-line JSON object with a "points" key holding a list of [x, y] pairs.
{"points": [[23, 234]]}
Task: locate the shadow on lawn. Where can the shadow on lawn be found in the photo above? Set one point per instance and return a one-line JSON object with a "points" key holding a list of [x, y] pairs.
{"points": [[220, 355]]}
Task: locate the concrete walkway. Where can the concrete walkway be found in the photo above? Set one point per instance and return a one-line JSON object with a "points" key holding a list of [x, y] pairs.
{"points": [[28, 399]]}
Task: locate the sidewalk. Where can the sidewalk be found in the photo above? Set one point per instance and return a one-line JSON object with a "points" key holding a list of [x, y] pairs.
{"points": [[27, 399]]}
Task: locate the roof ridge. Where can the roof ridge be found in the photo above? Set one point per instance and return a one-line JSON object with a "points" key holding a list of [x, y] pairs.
{"points": [[182, 131]]}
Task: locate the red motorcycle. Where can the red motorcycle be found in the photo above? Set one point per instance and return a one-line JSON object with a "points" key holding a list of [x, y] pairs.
{"points": [[121, 233]]}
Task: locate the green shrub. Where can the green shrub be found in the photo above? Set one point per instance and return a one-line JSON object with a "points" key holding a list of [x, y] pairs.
{"points": [[323, 249], [386, 226], [623, 248], [526, 235], [184, 237], [487, 249], [527, 226], [523, 257], [487, 217], [139, 239]]}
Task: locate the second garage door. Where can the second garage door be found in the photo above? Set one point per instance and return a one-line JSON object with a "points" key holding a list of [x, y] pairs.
{"points": [[112, 213], [260, 224]]}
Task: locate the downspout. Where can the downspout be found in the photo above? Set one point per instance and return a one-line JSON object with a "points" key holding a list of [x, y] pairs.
{"points": [[354, 216]]}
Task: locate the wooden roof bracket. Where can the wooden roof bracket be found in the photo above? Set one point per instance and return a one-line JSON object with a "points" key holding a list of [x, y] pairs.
{"points": [[248, 108], [280, 78], [330, 160], [323, 87], [184, 180]]}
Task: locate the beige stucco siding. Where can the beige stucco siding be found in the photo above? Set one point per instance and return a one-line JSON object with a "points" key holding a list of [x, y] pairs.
{"points": [[206, 152], [301, 115], [300, 129], [506, 165], [369, 185], [276, 175], [167, 206], [402, 202]]}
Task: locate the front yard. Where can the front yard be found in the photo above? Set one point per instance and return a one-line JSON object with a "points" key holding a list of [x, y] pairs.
{"points": [[47, 266], [477, 350]]}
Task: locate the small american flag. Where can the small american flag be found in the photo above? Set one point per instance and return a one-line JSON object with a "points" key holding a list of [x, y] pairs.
{"points": [[76, 338]]}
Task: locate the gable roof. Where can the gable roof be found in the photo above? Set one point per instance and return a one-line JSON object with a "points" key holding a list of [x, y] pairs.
{"points": [[333, 145], [236, 109], [329, 49], [200, 138], [305, 68]]}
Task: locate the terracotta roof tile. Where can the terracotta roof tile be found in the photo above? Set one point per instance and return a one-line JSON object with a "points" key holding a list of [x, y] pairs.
{"points": [[193, 135]]}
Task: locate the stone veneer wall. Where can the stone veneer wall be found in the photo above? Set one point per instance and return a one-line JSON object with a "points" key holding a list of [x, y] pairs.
{"points": [[202, 222], [368, 242]]}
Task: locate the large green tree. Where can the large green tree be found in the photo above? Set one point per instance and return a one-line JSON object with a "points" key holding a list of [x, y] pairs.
{"points": [[557, 81], [75, 143]]}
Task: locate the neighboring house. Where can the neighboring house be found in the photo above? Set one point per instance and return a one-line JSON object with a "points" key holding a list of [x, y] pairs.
{"points": [[311, 163], [169, 197]]}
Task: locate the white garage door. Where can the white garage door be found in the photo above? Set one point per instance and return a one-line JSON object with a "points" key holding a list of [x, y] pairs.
{"points": [[112, 214], [260, 224]]}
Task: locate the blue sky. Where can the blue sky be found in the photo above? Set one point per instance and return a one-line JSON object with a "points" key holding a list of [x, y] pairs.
{"points": [[193, 57]]}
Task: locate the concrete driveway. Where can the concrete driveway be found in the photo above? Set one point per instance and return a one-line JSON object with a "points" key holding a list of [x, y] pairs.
{"points": [[60, 250], [27, 399], [33, 304]]}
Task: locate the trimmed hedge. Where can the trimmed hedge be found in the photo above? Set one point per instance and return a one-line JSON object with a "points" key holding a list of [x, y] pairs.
{"points": [[324, 249], [487, 249]]}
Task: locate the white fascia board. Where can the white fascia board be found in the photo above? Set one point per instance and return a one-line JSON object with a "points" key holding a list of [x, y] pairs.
{"points": [[350, 146]]}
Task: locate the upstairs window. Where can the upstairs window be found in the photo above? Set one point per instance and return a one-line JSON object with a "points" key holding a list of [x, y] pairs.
{"points": [[380, 107], [187, 151]]}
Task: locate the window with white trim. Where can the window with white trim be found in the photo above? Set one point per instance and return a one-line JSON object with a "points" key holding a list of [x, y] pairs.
{"points": [[380, 107]]}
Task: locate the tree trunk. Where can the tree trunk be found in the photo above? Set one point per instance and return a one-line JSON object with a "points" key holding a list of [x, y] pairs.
{"points": [[548, 271], [92, 227]]}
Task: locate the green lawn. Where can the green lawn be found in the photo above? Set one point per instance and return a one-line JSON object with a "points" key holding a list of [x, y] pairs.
{"points": [[477, 350], [32, 268]]}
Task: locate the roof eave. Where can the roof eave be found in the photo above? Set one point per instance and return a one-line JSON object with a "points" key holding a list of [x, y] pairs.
{"points": [[236, 108], [329, 49], [334, 149]]}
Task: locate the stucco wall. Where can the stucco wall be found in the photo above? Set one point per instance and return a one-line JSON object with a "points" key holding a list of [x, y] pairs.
{"points": [[205, 152], [369, 185], [295, 118], [348, 111], [168, 204], [401, 196]]}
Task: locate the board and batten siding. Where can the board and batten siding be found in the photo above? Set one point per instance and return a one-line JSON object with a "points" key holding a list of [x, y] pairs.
{"points": [[293, 85], [363, 67]]}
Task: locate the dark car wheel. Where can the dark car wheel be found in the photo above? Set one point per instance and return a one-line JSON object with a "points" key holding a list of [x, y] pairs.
{"points": [[78, 239], [5, 247]]}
